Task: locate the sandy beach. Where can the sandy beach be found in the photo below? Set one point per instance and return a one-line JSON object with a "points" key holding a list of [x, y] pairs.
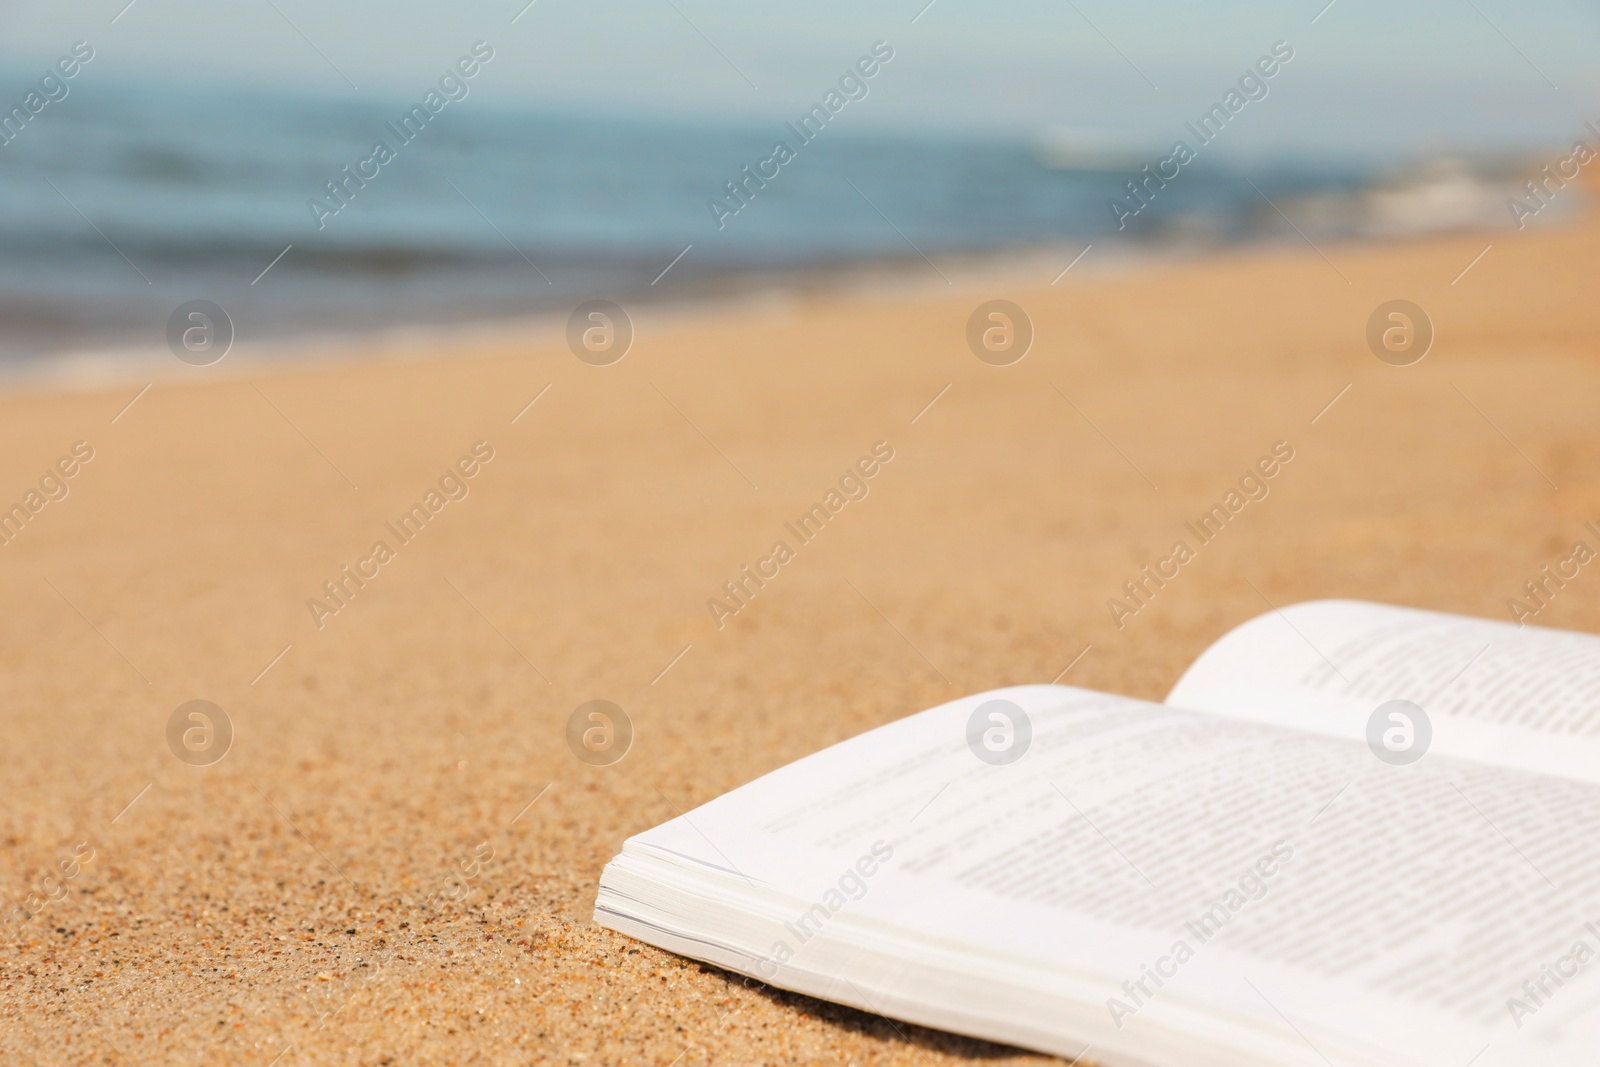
{"points": [[396, 859]]}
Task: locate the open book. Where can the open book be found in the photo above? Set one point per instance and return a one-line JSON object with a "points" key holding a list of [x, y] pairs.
{"points": [[1279, 865]]}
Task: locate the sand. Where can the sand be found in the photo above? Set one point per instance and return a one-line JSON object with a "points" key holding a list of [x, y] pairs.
{"points": [[362, 879]]}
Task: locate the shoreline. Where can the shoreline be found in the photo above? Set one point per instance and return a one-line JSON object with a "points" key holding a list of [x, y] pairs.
{"points": [[911, 279]]}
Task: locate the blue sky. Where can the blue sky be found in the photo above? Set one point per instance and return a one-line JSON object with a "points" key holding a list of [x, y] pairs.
{"points": [[1365, 74]]}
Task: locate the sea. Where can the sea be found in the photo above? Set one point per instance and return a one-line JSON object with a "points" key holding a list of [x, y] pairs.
{"points": [[122, 202]]}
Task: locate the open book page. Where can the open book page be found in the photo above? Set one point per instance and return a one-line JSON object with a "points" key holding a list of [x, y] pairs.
{"points": [[1521, 696], [1272, 895]]}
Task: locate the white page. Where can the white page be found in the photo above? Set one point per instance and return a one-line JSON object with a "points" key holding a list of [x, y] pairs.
{"points": [[1394, 932], [1524, 697]]}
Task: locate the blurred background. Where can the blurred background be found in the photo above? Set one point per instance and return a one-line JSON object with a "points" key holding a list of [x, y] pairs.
{"points": [[178, 162]]}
